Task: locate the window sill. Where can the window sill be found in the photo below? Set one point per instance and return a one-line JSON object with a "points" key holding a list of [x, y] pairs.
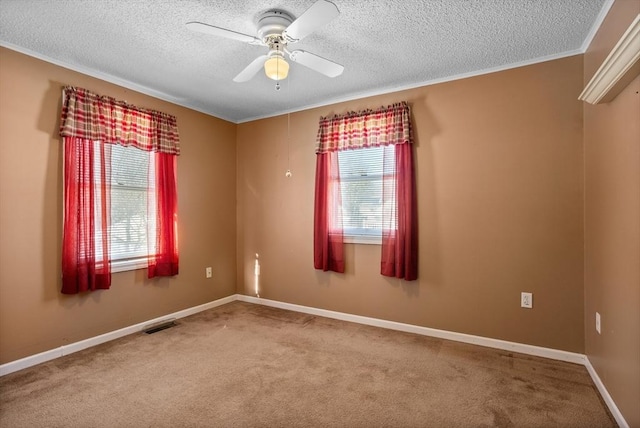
{"points": [[127, 265], [366, 240]]}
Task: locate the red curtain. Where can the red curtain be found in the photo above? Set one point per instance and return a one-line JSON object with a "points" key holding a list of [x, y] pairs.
{"points": [[328, 238], [400, 243], [163, 253], [85, 261], [356, 130], [86, 118]]}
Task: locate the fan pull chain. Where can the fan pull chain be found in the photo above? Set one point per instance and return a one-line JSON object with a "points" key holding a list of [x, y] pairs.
{"points": [[288, 173], [278, 70]]}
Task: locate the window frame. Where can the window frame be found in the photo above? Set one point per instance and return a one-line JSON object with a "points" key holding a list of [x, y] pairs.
{"points": [[124, 264], [353, 235]]}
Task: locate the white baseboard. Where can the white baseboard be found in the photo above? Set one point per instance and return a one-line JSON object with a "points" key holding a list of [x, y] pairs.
{"points": [[538, 351], [522, 348], [605, 395], [29, 361], [43, 357]]}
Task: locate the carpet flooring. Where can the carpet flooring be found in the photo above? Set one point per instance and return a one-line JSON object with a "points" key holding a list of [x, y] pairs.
{"points": [[245, 365]]}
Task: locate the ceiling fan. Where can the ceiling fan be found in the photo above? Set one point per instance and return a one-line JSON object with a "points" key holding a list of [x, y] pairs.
{"points": [[277, 29]]}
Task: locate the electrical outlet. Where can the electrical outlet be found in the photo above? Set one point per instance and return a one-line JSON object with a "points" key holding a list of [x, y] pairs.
{"points": [[208, 272], [598, 322], [526, 300]]}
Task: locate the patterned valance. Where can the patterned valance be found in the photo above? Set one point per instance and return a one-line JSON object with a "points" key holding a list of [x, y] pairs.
{"points": [[95, 117], [368, 128]]}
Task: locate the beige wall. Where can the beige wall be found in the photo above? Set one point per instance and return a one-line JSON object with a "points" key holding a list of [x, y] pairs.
{"points": [[34, 316], [500, 192], [612, 225]]}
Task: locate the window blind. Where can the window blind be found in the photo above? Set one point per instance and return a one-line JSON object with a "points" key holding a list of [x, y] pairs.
{"points": [[130, 195], [362, 177]]}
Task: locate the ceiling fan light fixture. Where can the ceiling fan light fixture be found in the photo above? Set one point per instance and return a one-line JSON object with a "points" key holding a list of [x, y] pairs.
{"points": [[276, 29], [276, 68]]}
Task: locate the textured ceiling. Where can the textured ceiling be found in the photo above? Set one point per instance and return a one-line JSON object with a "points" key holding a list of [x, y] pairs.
{"points": [[383, 45]]}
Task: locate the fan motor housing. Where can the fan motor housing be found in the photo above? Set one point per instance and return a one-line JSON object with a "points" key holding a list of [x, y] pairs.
{"points": [[272, 23]]}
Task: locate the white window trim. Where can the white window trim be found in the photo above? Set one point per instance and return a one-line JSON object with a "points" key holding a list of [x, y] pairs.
{"points": [[355, 235], [127, 265], [362, 239]]}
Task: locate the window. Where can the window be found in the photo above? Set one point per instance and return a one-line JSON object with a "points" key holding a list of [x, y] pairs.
{"points": [[105, 180], [366, 194], [130, 196], [363, 174]]}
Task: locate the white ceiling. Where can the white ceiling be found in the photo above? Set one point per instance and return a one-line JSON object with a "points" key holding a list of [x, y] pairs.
{"points": [[383, 45]]}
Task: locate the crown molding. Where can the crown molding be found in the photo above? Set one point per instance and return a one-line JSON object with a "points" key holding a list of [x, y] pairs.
{"points": [[619, 68]]}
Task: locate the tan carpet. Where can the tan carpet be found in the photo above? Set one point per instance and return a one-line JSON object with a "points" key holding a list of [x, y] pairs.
{"points": [[244, 365]]}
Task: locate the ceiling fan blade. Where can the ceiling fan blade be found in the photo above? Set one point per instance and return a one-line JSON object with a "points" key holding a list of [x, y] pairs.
{"points": [[222, 32], [251, 69], [318, 15], [317, 63]]}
